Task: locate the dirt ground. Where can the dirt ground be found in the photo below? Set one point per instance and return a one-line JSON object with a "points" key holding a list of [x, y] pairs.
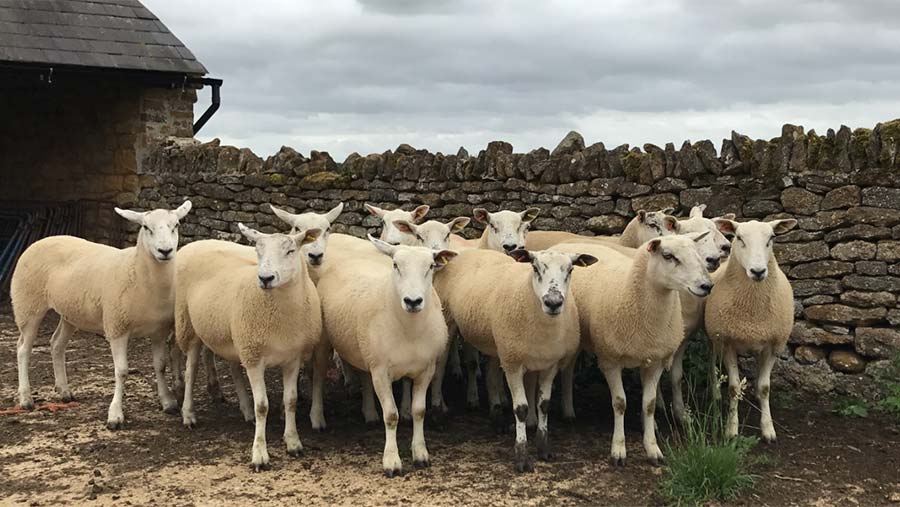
{"points": [[68, 456]]}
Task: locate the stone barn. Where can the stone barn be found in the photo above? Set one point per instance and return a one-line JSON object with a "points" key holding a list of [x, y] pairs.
{"points": [[85, 88]]}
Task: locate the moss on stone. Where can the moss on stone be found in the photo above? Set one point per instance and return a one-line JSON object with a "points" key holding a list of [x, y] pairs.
{"points": [[631, 164], [859, 142], [323, 179]]}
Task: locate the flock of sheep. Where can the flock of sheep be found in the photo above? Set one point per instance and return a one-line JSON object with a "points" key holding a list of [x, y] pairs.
{"points": [[402, 306]]}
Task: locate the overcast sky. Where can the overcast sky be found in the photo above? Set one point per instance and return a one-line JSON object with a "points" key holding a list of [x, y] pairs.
{"points": [[366, 75]]}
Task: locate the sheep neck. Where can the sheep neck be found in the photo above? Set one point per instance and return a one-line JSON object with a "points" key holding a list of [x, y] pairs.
{"points": [[149, 272], [736, 276], [483, 240], [641, 289], [629, 236]]}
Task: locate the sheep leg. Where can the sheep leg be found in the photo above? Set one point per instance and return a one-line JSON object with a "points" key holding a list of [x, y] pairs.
{"points": [[715, 358], [438, 407], [515, 379], [531, 383], [567, 381], [650, 380], [176, 363], [677, 375], [316, 408], [58, 351], [406, 400], [470, 357], [419, 394], [166, 398], [494, 381], [390, 461], [766, 361], [734, 391], [453, 356], [545, 388], [240, 389], [213, 387], [27, 334], [260, 454], [613, 376], [289, 374], [115, 418], [188, 418], [368, 398]]}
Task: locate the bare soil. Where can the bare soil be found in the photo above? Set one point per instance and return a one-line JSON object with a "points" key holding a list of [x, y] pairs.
{"points": [[69, 457]]}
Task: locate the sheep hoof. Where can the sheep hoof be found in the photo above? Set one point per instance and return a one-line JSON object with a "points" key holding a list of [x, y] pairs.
{"points": [[321, 429], [568, 419], [546, 455], [295, 453], [66, 397], [524, 465], [215, 393], [417, 464], [172, 408], [658, 461], [28, 405], [390, 473], [769, 440], [617, 461], [260, 467], [472, 406], [115, 425]]}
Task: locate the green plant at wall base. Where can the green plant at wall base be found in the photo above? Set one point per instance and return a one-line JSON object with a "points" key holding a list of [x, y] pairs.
{"points": [[704, 465], [890, 384], [851, 407]]}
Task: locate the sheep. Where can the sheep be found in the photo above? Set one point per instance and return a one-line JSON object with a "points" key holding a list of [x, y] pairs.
{"points": [[713, 249], [514, 309], [257, 313], [645, 226], [504, 230], [389, 233], [630, 317], [751, 309], [97, 288], [387, 320]]}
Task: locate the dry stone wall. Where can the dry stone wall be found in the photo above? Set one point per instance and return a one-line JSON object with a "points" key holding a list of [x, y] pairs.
{"points": [[844, 188]]}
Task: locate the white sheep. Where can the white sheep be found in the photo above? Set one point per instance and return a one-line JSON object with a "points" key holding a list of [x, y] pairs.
{"points": [[519, 315], [385, 318], [389, 233], [751, 310], [120, 293], [504, 230], [645, 226], [630, 317], [258, 313]]}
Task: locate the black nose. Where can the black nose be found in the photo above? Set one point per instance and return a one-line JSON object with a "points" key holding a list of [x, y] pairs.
{"points": [[266, 280], [712, 260], [758, 273], [316, 258], [706, 287], [509, 248], [164, 251], [553, 304], [412, 303]]}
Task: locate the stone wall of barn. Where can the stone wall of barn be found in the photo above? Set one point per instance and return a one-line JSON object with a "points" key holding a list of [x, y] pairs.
{"points": [[84, 140], [844, 188]]}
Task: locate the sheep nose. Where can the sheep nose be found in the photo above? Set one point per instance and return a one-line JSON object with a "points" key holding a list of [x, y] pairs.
{"points": [[758, 274], [553, 305], [509, 248], [706, 287], [316, 259], [412, 304], [265, 281], [164, 251]]}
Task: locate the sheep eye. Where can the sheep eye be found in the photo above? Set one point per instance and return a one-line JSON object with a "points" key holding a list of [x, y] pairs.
{"points": [[494, 228], [289, 252], [447, 237], [740, 239], [420, 238], [395, 267], [669, 257], [771, 238]]}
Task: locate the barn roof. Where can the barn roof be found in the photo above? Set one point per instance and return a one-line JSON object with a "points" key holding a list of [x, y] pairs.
{"points": [[105, 34]]}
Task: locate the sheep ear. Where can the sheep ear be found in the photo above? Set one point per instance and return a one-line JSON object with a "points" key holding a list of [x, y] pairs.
{"points": [[481, 215], [697, 211], [459, 223], [251, 234], [442, 257], [286, 217], [374, 210], [783, 225], [332, 215], [642, 216], [420, 212], [653, 245], [304, 238], [672, 223], [132, 216], [583, 260], [183, 210], [729, 216], [405, 227], [530, 214], [521, 255], [667, 211], [725, 225], [697, 236], [383, 246]]}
